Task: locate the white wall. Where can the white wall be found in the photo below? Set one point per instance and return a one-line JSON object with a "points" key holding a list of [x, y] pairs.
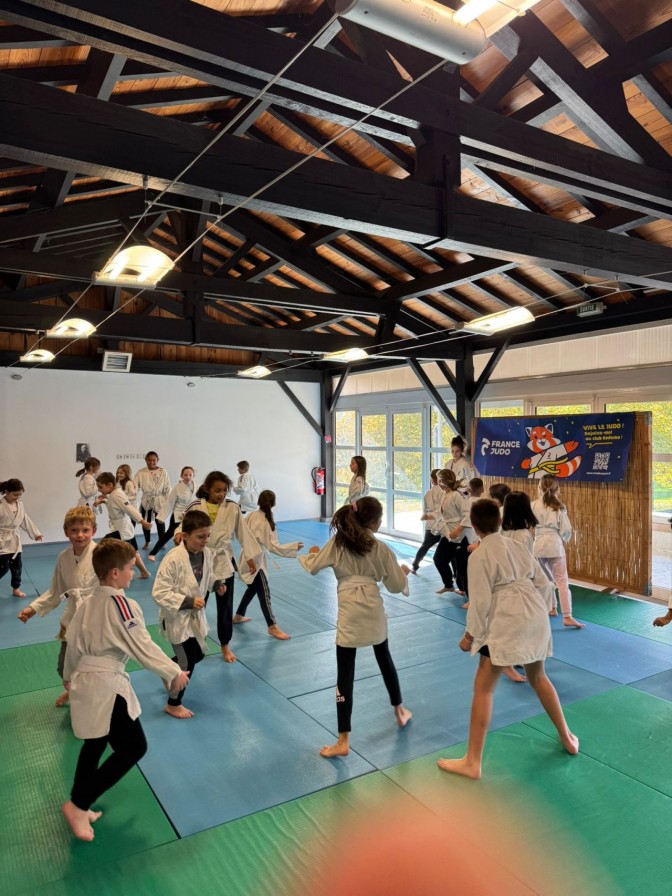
{"points": [[211, 426]]}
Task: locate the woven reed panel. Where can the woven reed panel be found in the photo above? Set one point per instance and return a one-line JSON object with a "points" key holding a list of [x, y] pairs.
{"points": [[611, 541]]}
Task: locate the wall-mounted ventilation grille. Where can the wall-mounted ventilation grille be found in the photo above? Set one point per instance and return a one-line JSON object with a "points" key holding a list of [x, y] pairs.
{"points": [[117, 362]]}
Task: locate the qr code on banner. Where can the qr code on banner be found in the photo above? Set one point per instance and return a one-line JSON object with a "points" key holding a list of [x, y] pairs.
{"points": [[601, 460]]}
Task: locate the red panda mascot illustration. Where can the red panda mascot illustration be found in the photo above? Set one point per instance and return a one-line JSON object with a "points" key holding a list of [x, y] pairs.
{"points": [[550, 455]]}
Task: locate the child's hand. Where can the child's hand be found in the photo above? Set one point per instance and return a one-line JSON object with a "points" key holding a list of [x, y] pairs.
{"points": [[659, 621], [199, 603], [66, 685], [425, 517], [146, 525], [26, 614], [221, 590], [453, 534], [39, 538], [253, 567], [465, 643], [299, 545], [179, 683], [472, 547], [314, 550]]}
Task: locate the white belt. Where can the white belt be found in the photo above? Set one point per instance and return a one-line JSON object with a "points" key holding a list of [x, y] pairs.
{"points": [[89, 663]]}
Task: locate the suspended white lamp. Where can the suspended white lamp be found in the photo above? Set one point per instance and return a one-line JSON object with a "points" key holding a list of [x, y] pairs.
{"points": [[74, 328], [37, 356], [501, 320], [421, 23], [140, 266], [346, 355], [492, 14], [255, 373]]}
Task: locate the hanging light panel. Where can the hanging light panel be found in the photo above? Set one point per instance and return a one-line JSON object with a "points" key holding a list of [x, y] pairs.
{"points": [[74, 328], [139, 266], [37, 356]]}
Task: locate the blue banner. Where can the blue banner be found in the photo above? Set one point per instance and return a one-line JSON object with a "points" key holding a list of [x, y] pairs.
{"points": [[581, 447]]}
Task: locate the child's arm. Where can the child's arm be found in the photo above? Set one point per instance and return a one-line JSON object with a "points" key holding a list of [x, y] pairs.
{"points": [[456, 532], [29, 526], [564, 526], [250, 548], [663, 620], [318, 559]]}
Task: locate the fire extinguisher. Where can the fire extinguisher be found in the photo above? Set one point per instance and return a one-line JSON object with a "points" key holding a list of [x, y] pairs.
{"points": [[318, 474]]}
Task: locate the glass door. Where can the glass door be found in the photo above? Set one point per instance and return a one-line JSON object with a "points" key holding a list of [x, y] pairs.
{"points": [[407, 481], [374, 442]]}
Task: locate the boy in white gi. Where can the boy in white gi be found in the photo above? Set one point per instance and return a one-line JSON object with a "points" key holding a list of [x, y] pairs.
{"points": [[73, 579], [182, 583], [246, 487], [106, 631], [507, 624]]}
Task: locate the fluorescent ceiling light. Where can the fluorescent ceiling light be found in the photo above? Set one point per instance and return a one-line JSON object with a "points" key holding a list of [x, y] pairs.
{"points": [[139, 266], [346, 355], [255, 373], [75, 328], [37, 356], [501, 320], [492, 14]]}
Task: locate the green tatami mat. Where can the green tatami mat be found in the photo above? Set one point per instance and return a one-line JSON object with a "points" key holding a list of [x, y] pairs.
{"points": [[621, 613], [30, 668], [281, 850], [39, 755], [608, 833], [626, 729]]}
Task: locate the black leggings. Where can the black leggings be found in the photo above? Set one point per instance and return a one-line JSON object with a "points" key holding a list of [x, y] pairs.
{"points": [[167, 535], [224, 613], [128, 742], [430, 540], [147, 515], [260, 589], [444, 557], [461, 563], [187, 654], [345, 680], [14, 565]]}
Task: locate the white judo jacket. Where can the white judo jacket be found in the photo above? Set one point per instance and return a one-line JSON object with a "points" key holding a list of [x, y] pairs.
{"points": [[10, 523], [174, 581], [73, 580]]}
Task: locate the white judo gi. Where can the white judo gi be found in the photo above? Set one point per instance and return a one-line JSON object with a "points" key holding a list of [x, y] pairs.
{"points": [[174, 581], [362, 620], [10, 523], [107, 630]]}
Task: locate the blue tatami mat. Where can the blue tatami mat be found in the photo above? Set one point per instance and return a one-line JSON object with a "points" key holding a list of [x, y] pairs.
{"points": [[659, 685], [309, 663], [245, 749], [618, 655], [439, 695]]}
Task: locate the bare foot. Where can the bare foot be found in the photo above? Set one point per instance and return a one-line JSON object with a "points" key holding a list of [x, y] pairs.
{"points": [[152, 558], [94, 816], [79, 821], [414, 572], [403, 716], [178, 712], [228, 655], [145, 547], [511, 673], [571, 622], [553, 612], [18, 593], [570, 743], [460, 767], [465, 606], [340, 748], [144, 575], [237, 619], [62, 699], [276, 632], [445, 590], [460, 592]]}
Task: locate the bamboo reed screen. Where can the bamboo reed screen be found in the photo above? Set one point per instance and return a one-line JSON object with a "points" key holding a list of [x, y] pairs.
{"points": [[611, 541]]}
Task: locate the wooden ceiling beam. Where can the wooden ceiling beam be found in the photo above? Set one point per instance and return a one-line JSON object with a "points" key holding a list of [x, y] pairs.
{"points": [[322, 83]]}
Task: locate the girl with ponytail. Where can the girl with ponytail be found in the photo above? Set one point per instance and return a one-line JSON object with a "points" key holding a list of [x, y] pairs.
{"points": [[360, 562], [262, 526]]}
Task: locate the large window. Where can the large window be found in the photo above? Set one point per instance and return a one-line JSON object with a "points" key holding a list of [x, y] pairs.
{"points": [[661, 419], [441, 435], [501, 409], [555, 410]]}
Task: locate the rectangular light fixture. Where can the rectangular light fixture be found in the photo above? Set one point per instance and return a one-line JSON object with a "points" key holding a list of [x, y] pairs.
{"points": [[255, 373], [74, 328], [346, 355], [492, 14], [500, 320]]}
